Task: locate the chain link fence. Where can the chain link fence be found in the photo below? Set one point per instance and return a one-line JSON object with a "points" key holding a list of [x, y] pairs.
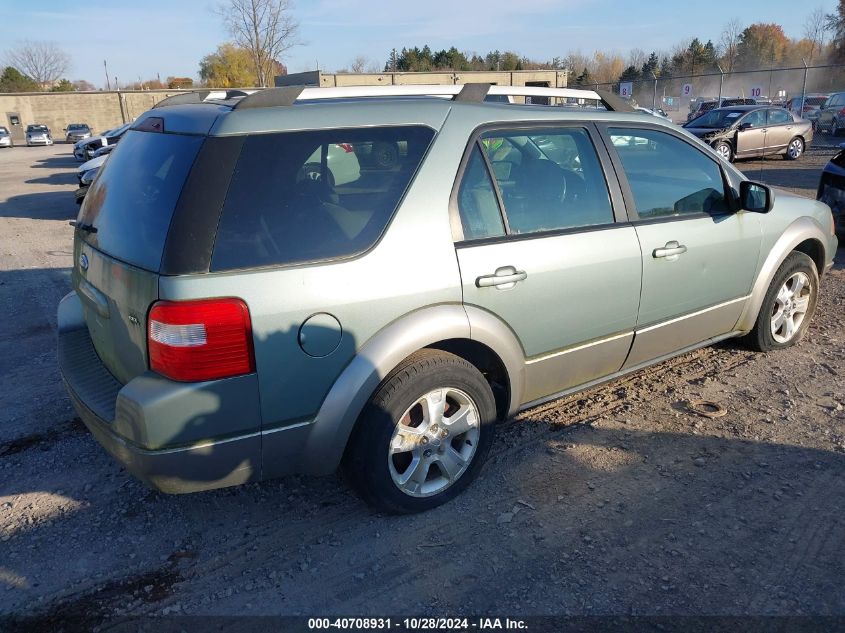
{"points": [[678, 95]]}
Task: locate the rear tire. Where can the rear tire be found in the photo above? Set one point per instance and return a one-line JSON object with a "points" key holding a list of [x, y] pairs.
{"points": [[795, 149], [405, 455], [788, 306], [834, 128]]}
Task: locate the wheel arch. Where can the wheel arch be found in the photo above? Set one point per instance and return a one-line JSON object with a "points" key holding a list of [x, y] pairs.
{"points": [[493, 349], [803, 235]]}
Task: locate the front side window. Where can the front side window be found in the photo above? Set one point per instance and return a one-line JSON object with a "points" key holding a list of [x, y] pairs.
{"points": [[667, 176], [314, 195], [757, 118], [549, 179]]}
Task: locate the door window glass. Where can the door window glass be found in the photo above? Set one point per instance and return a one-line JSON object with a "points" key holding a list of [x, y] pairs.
{"points": [[778, 116], [477, 204], [549, 179], [667, 176], [757, 118]]}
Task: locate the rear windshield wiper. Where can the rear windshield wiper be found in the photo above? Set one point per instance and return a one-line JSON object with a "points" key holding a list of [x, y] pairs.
{"points": [[88, 228]]}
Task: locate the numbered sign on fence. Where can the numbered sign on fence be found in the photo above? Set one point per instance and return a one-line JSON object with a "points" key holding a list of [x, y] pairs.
{"points": [[756, 92], [687, 90], [626, 88]]}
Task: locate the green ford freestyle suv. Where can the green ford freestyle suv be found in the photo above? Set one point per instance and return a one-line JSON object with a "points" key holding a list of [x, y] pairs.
{"points": [[289, 282]]}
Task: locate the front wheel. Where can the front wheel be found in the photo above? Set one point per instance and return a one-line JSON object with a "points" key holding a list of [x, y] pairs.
{"points": [[788, 306], [724, 151], [424, 435], [795, 149]]}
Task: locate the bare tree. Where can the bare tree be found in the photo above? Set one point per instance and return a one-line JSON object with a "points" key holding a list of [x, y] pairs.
{"points": [[359, 64], [266, 28], [42, 61], [729, 43], [637, 57], [815, 30]]}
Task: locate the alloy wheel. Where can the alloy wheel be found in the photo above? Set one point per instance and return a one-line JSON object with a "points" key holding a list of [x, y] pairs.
{"points": [[790, 307], [795, 149], [724, 151], [434, 442]]}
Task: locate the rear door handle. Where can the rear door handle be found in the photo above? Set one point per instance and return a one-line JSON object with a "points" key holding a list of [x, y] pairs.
{"points": [[670, 251], [506, 276]]}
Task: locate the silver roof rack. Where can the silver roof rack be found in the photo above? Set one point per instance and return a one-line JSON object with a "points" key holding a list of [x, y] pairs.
{"points": [[474, 93]]}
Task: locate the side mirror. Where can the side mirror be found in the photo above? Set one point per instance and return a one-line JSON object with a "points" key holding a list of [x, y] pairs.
{"points": [[746, 126], [755, 197]]}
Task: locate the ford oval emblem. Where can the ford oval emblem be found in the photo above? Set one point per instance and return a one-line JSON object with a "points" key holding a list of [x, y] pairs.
{"points": [[83, 261]]}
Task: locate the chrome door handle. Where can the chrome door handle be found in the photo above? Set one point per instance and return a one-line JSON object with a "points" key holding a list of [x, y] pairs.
{"points": [[672, 249], [504, 276]]}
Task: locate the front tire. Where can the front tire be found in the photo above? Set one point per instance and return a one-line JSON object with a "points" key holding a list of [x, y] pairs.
{"points": [[795, 149], [424, 435], [725, 151], [788, 306]]}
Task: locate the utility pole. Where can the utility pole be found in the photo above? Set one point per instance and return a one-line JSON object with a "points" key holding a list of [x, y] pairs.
{"points": [[108, 83]]}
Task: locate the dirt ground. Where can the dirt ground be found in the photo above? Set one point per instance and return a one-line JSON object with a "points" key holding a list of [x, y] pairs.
{"points": [[614, 501]]}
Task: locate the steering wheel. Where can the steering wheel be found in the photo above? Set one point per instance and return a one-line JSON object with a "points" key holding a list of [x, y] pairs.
{"points": [[575, 188]]}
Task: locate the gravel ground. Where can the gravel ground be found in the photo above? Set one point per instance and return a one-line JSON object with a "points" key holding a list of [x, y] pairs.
{"points": [[614, 501]]}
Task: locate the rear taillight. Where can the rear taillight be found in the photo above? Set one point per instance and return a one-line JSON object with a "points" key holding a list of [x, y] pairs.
{"points": [[192, 341], [842, 112], [346, 147]]}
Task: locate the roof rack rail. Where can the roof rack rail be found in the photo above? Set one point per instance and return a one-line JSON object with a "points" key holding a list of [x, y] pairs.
{"points": [[285, 96], [198, 96], [467, 93]]}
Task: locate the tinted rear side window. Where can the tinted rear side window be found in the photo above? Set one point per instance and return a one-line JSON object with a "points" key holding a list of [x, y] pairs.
{"points": [[315, 195], [132, 200]]}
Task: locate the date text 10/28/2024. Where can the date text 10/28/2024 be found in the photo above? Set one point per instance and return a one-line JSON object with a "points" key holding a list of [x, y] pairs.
{"points": [[417, 624]]}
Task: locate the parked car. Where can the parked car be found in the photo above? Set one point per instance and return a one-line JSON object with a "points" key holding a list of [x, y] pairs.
{"points": [[76, 132], [5, 137], [831, 116], [86, 174], [745, 131], [232, 321], [807, 106], [37, 134], [85, 150], [831, 189], [725, 102]]}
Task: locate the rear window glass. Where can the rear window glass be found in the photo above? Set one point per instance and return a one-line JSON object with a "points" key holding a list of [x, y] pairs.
{"points": [[306, 196], [132, 200]]}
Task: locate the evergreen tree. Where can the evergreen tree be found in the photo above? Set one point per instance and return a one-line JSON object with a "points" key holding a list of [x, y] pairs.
{"points": [[12, 80], [651, 65]]}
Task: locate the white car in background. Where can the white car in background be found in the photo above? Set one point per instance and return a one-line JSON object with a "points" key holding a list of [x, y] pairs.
{"points": [[5, 137], [37, 134]]}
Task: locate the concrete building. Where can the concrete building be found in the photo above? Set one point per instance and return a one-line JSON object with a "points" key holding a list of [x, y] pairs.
{"points": [[539, 78]]}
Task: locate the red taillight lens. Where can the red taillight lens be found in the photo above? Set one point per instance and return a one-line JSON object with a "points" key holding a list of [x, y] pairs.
{"points": [[191, 341], [842, 112], [346, 147]]}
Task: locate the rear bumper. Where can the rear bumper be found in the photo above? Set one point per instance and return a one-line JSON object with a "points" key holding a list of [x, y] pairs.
{"points": [[176, 437]]}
